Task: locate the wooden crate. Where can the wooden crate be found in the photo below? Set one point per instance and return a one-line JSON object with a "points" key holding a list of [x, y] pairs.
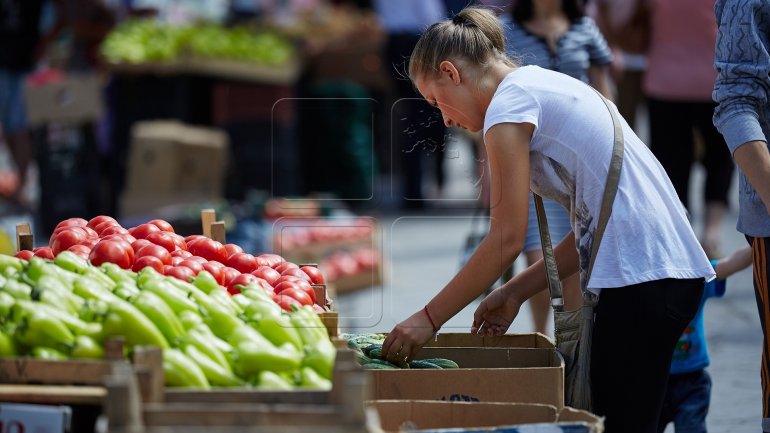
{"points": [[29, 380], [338, 410]]}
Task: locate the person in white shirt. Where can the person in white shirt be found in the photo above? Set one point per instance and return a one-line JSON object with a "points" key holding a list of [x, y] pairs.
{"points": [[553, 134]]}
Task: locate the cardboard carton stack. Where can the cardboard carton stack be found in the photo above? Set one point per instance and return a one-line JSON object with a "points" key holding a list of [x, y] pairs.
{"points": [[502, 383], [173, 163]]}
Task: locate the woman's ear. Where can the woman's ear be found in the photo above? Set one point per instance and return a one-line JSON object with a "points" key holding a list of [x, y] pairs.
{"points": [[450, 71]]}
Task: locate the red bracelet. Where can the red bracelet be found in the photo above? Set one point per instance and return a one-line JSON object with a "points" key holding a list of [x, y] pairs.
{"points": [[433, 324]]}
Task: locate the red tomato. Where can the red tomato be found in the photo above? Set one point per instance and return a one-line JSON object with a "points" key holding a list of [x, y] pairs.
{"points": [[24, 254], [80, 249], [287, 302], [90, 242], [298, 294], [139, 243], [114, 230], [71, 222], [127, 238], [269, 259], [230, 274], [315, 274], [156, 251], [142, 230], [166, 268], [285, 284], [113, 251], [95, 221], [163, 239], [181, 253], [190, 239], [216, 270], [240, 280], [181, 272], [232, 249], [162, 224], [284, 266], [149, 261], [267, 273], [265, 285], [66, 238], [296, 272], [208, 249], [179, 241], [195, 265], [176, 260], [104, 225], [44, 252], [199, 259], [244, 262]]}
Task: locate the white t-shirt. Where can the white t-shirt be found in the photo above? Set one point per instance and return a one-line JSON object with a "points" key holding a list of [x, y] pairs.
{"points": [[648, 236]]}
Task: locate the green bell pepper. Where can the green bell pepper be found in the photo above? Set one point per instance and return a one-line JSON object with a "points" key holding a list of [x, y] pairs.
{"points": [[173, 296], [48, 354], [126, 320], [87, 348], [179, 370], [7, 345], [254, 353], [268, 380], [160, 314], [268, 318], [12, 262], [216, 374], [17, 289], [320, 352], [206, 282], [311, 379], [71, 262], [202, 338], [41, 329]]}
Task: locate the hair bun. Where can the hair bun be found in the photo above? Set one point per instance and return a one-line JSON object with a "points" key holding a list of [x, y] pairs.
{"points": [[462, 20]]}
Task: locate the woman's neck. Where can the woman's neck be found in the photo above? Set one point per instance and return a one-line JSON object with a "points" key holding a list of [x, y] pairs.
{"points": [[491, 81]]}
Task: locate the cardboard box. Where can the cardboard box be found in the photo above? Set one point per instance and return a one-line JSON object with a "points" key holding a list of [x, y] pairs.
{"points": [[74, 98], [170, 163], [533, 340], [487, 374], [425, 416]]}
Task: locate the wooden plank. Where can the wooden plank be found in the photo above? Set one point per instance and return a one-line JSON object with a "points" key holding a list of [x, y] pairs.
{"points": [[50, 394], [36, 371], [217, 230], [24, 239], [208, 216]]}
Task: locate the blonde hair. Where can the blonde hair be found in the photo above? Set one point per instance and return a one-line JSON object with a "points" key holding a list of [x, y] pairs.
{"points": [[474, 35]]}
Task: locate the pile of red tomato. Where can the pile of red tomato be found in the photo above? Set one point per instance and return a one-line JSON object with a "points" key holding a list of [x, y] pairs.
{"points": [[155, 244]]}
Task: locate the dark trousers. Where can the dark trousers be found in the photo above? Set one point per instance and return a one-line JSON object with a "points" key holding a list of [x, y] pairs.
{"points": [[761, 267], [635, 330], [687, 402], [673, 142], [417, 129]]}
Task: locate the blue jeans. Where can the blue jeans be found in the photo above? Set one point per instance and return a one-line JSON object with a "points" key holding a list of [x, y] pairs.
{"points": [[687, 402]]}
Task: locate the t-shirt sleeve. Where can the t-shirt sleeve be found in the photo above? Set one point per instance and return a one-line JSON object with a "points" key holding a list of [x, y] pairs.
{"points": [[512, 105], [598, 51]]}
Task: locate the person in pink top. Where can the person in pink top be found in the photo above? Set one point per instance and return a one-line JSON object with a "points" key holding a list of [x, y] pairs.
{"points": [[678, 84]]}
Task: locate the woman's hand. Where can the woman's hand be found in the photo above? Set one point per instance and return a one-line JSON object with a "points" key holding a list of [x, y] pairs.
{"points": [[495, 313], [407, 338]]}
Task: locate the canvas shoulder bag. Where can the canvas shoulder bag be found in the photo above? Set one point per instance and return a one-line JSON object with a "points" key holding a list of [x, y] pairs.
{"points": [[573, 329]]}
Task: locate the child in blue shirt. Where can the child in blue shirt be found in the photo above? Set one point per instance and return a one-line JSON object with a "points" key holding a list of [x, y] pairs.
{"points": [[689, 385]]}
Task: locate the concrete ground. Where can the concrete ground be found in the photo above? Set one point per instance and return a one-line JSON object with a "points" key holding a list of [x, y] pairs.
{"points": [[422, 252]]}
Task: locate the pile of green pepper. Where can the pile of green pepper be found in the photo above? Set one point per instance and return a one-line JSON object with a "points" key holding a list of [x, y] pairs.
{"points": [[66, 308]]}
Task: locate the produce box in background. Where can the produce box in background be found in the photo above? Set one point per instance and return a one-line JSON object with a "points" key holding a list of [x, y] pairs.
{"points": [[512, 375], [53, 96], [434, 416], [171, 162]]}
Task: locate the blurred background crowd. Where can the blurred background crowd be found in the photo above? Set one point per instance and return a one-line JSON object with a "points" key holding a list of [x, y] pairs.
{"points": [[137, 108]]}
